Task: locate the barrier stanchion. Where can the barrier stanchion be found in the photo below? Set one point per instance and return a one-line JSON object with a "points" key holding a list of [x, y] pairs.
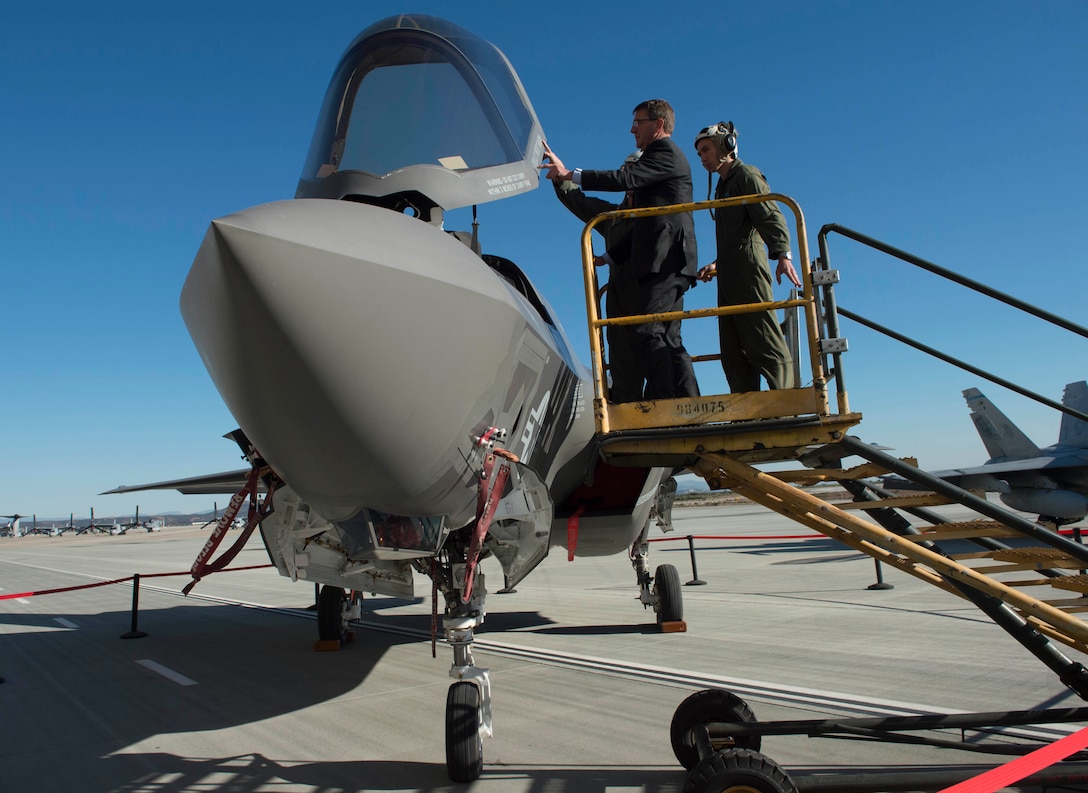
{"points": [[134, 633], [695, 580], [880, 583]]}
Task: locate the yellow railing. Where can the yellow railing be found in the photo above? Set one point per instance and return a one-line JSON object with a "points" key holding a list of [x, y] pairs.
{"points": [[818, 399]]}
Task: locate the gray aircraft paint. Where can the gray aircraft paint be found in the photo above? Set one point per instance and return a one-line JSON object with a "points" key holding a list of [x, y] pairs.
{"points": [[1051, 481], [364, 351]]}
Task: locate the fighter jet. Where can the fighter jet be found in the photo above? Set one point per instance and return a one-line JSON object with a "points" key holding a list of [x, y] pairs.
{"points": [[1052, 482], [407, 403]]}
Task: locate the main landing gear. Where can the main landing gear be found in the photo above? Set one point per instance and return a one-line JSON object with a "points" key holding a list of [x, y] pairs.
{"points": [[661, 591], [335, 610]]}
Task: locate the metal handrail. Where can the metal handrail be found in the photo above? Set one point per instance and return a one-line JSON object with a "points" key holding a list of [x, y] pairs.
{"points": [[975, 286], [596, 322]]}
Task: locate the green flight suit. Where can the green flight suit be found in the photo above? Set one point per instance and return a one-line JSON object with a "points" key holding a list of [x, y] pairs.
{"points": [[752, 344]]}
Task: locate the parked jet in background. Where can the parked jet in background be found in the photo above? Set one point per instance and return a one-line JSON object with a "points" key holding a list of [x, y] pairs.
{"points": [[409, 404], [1051, 482]]}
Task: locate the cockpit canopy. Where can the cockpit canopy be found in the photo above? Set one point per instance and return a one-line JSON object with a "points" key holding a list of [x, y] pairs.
{"points": [[419, 105]]}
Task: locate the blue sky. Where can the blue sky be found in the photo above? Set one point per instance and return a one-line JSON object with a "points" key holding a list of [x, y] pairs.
{"points": [[951, 130]]}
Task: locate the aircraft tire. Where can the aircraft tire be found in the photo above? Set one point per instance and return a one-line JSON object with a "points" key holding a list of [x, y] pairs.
{"points": [[670, 595], [738, 771], [464, 747], [330, 609], [705, 707]]}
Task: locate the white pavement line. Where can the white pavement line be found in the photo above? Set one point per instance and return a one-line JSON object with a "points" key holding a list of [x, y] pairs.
{"points": [[850, 704], [65, 623], [166, 672], [24, 601]]}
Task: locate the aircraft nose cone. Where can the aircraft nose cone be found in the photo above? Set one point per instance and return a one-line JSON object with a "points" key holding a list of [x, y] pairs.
{"points": [[358, 348]]}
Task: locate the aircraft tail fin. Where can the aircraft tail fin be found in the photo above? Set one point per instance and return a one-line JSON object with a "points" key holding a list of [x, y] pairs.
{"points": [[1074, 432], [1002, 438]]}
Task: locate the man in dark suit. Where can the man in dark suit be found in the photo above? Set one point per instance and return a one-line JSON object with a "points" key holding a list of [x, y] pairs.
{"points": [[626, 383], [658, 254]]}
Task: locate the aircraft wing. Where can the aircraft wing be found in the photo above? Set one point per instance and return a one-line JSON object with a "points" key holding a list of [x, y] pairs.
{"points": [[994, 476], [1013, 466], [227, 482]]}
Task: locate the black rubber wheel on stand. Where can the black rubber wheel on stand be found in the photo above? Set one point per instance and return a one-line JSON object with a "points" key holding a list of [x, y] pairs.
{"points": [[706, 707], [738, 771]]}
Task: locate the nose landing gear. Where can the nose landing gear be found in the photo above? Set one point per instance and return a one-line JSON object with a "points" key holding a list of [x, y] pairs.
{"points": [[468, 703]]}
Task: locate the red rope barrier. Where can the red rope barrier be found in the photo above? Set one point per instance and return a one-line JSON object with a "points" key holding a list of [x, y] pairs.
{"points": [[1004, 775], [118, 581], [64, 589], [226, 570], [742, 537]]}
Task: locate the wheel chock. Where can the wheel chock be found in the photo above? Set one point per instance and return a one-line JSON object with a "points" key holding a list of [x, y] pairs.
{"points": [[326, 645], [349, 637], [677, 626]]}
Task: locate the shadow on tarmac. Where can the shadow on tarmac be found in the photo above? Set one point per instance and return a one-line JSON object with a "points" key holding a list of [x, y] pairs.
{"points": [[254, 772]]}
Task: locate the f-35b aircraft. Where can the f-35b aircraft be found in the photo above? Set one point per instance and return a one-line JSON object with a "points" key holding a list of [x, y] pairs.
{"points": [[1052, 482], [408, 404]]}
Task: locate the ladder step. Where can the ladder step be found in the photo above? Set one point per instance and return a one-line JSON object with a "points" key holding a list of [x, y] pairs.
{"points": [[1037, 554], [812, 476], [1035, 558], [968, 529], [897, 502], [1075, 583]]}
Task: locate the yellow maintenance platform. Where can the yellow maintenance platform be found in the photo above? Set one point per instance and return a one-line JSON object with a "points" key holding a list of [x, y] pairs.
{"points": [[1034, 588]]}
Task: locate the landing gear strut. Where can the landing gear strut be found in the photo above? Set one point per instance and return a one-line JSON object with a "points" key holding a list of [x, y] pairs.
{"points": [[468, 702]]}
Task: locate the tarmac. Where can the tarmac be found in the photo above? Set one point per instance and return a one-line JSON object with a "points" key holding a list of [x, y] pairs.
{"points": [[226, 693]]}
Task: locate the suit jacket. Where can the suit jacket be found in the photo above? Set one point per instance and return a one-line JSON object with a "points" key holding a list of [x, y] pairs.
{"points": [[663, 243], [585, 208]]}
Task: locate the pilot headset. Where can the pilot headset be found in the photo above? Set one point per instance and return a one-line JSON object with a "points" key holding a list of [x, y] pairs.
{"points": [[724, 135]]}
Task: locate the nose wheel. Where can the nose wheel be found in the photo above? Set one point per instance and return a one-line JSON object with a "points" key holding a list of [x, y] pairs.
{"points": [[464, 744]]}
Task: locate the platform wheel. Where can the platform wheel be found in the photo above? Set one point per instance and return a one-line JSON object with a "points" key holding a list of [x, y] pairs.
{"points": [[738, 771], [331, 605], [464, 746], [670, 598], [706, 707]]}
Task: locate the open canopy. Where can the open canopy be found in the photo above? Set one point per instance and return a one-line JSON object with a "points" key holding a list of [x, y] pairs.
{"points": [[418, 105]]}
